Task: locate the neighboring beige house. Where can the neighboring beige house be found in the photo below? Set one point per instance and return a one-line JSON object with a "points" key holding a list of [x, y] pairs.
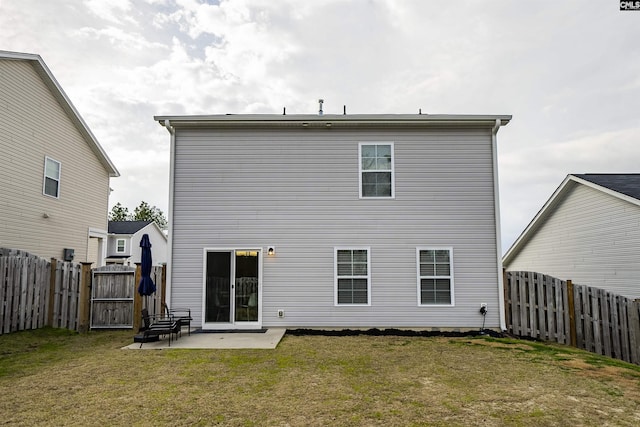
{"points": [[54, 175], [588, 231], [124, 242]]}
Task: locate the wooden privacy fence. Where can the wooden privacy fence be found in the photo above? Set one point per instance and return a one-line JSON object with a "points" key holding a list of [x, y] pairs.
{"points": [[550, 309], [114, 294], [36, 292]]}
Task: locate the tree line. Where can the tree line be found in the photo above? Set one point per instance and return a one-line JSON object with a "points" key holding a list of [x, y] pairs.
{"points": [[144, 212]]}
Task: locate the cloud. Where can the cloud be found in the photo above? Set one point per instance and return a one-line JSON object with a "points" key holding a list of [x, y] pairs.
{"points": [[116, 11], [529, 176], [117, 37], [567, 71]]}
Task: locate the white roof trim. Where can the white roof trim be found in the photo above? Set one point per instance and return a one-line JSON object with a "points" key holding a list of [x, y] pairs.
{"points": [[57, 91], [153, 223], [543, 213], [332, 119]]}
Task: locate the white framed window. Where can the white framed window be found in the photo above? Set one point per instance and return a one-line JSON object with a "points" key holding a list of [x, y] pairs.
{"points": [[121, 246], [435, 276], [51, 182], [352, 276], [376, 170]]}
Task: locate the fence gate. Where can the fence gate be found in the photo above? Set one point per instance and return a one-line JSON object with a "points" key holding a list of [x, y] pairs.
{"points": [[112, 292]]}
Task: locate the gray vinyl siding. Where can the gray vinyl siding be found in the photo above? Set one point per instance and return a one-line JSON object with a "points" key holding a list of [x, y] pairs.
{"points": [[34, 125], [112, 245], [590, 237], [298, 191]]}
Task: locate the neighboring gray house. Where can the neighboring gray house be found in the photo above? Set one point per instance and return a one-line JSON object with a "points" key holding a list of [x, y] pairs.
{"points": [[124, 242], [54, 175], [335, 221], [588, 231]]}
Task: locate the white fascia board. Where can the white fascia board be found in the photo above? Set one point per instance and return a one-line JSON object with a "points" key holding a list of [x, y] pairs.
{"points": [[515, 247], [333, 119], [157, 227], [524, 236], [57, 91], [97, 232], [606, 190]]}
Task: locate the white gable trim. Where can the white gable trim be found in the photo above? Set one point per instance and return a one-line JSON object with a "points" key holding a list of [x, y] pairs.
{"points": [[55, 88], [546, 210], [153, 224], [606, 190]]}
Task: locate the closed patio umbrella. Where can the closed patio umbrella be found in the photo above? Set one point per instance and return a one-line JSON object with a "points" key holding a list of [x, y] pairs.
{"points": [[146, 286]]}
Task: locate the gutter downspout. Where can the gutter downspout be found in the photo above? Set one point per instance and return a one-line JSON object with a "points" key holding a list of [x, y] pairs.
{"points": [[496, 198], [172, 131]]}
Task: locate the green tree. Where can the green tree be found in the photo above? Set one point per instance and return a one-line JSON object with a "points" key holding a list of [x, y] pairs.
{"points": [[119, 213], [145, 212]]}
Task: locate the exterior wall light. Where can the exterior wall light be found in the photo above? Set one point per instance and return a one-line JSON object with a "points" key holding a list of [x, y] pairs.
{"points": [[271, 250]]}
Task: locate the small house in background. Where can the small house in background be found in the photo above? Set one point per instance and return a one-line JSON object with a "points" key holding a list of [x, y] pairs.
{"points": [[588, 231], [54, 175], [124, 242], [335, 221]]}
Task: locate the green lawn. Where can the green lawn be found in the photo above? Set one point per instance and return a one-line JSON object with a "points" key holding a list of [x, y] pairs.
{"points": [[56, 377]]}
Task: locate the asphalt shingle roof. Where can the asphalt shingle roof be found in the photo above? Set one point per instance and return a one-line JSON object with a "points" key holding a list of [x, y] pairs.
{"points": [[624, 183], [127, 227]]}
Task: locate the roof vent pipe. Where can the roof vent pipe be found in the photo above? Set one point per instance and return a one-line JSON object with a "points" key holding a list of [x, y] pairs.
{"points": [[320, 101], [344, 110]]}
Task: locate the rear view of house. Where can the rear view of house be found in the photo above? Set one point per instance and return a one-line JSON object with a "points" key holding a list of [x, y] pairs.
{"points": [[54, 176], [335, 221], [588, 231]]}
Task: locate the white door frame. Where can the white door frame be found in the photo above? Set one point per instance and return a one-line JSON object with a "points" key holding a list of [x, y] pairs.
{"points": [[101, 235], [232, 324]]}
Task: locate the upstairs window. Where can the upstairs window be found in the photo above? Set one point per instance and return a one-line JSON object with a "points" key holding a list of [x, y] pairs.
{"points": [[120, 246], [51, 184], [352, 276], [376, 170], [435, 276]]}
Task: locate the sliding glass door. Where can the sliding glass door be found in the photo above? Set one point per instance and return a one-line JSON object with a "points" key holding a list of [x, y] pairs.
{"points": [[231, 294]]}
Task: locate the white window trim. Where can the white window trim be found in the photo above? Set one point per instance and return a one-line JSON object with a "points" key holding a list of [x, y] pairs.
{"points": [[335, 274], [44, 177], [393, 170], [124, 249], [450, 276]]}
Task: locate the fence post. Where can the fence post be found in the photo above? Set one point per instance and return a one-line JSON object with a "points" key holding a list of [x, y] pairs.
{"points": [[505, 298], [84, 300], [52, 291], [634, 331], [137, 299], [572, 314], [163, 287]]}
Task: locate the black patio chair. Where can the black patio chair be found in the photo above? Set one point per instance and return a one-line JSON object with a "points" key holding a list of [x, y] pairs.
{"points": [[182, 315], [156, 326]]}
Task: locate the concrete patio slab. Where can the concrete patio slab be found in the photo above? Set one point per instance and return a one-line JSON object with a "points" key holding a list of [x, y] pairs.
{"points": [[214, 340]]}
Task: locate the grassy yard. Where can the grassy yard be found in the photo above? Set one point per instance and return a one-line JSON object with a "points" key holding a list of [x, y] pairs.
{"points": [[56, 377]]}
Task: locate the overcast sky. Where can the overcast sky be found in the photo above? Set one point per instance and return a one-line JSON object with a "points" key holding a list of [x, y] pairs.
{"points": [[568, 71]]}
